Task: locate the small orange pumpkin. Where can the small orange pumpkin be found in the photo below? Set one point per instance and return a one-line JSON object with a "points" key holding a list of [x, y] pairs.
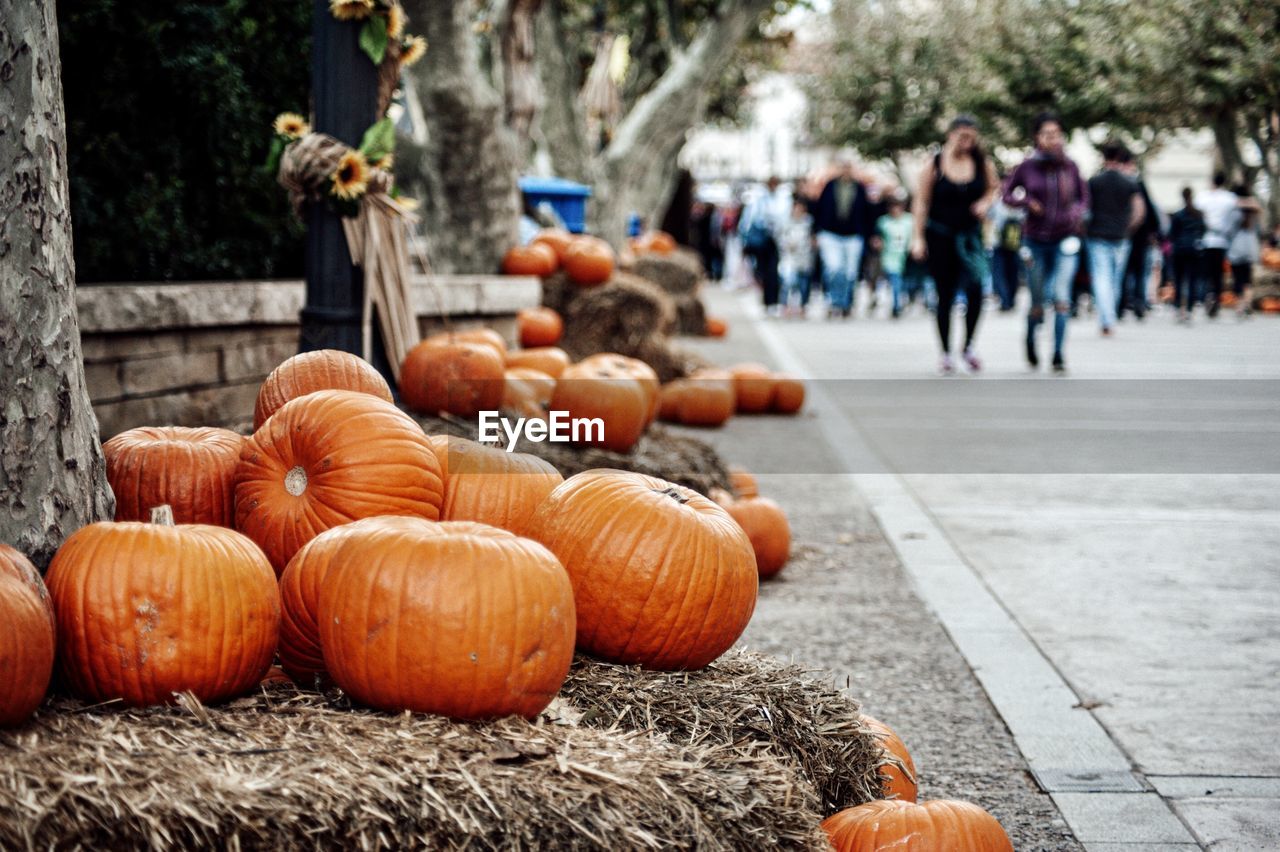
{"points": [[614, 390], [490, 486], [589, 261], [755, 386], [546, 359], [716, 327], [743, 482], [766, 525], [1269, 304], [527, 392], [461, 377], [557, 238], [654, 242], [307, 372], [455, 618], [192, 470], [898, 771], [662, 577], [541, 326], [534, 259], [27, 638], [894, 824], [709, 399], [788, 393]]}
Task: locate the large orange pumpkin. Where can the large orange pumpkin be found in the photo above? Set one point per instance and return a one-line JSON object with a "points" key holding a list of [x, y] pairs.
{"points": [[788, 393], [766, 525], [527, 392], [455, 618], [300, 583], [634, 368], [147, 610], [898, 772], [191, 470], [589, 261], [755, 387], [661, 576], [491, 486], [743, 482], [557, 238], [460, 377], [534, 259], [479, 334], [307, 372], [547, 359], [612, 390], [908, 827], [329, 458], [540, 326], [27, 638]]}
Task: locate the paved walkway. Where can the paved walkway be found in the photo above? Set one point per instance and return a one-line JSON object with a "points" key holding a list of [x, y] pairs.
{"points": [[1103, 549]]}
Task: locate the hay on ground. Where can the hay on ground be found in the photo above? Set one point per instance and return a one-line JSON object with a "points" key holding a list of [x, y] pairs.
{"points": [[679, 273], [691, 315], [617, 317]]}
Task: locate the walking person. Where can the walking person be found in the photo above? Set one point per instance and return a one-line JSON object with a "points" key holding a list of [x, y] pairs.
{"points": [[895, 230], [1006, 257], [955, 193], [1116, 211], [842, 219], [1186, 236], [760, 226], [795, 264], [1245, 248], [1219, 208], [1144, 251], [1048, 186]]}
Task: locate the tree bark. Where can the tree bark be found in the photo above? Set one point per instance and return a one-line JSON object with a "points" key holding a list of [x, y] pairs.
{"points": [[467, 169], [1226, 136], [561, 128], [52, 474]]}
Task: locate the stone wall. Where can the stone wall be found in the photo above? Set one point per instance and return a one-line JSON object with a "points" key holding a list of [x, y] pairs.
{"points": [[194, 353]]}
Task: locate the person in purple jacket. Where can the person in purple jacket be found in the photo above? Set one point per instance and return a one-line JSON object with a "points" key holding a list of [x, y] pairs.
{"points": [[1048, 185]]}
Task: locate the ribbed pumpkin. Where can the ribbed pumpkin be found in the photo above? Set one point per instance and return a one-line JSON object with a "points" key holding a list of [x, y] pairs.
{"points": [[147, 609], [329, 458], [588, 261], [557, 238], [534, 259], [706, 398], [300, 583], [455, 618], [191, 470], [487, 336], [755, 387], [743, 482], [908, 827], [899, 781], [766, 525], [308, 372], [788, 393], [634, 368], [662, 577], [527, 392], [462, 378], [551, 360], [27, 638], [539, 326], [614, 390], [491, 486]]}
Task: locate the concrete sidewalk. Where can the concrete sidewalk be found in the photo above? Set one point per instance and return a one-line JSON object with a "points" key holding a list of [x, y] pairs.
{"points": [[1123, 624]]}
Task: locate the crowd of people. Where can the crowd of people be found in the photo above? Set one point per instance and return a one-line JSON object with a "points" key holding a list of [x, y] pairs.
{"points": [[966, 234]]}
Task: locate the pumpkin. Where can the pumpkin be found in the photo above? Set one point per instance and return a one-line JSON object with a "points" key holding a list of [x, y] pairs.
{"points": [[898, 771], [537, 259], [1269, 304], [527, 392], [766, 525], [720, 497], [662, 577], [754, 385], [709, 398], [329, 458], [654, 242], [191, 470], [307, 372], [588, 261], [611, 391], [300, 583], [557, 238], [27, 638], [145, 610], [1271, 257], [546, 359], [487, 336], [460, 377], [456, 618], [636, 369], [788, 393], [670, 396], [1228, 299], [539, 326], [743, 482], [275, 676], [491, 486], [716, 327], [909, 827]]}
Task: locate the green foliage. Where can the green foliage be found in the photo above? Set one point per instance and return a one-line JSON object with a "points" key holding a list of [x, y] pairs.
{"points": [[373, 38], [169, 111]]}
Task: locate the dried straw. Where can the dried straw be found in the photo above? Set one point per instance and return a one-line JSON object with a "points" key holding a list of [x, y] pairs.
{"points": [[679, 274]]}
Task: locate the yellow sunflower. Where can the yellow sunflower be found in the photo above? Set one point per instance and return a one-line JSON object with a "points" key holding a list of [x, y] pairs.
{"points": [[351, 10], [395, 21], [292, 125], [351, 178], [413, 50], [385, 163], [408, 204]]}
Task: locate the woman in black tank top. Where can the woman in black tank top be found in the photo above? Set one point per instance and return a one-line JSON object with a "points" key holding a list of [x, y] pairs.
{"points": [[956, 190]]}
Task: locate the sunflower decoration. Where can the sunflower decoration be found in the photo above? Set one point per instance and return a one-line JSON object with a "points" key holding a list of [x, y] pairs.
{"points": [[351, 10], [395, 21], [351, 177], [411, 50], [290, 125]]}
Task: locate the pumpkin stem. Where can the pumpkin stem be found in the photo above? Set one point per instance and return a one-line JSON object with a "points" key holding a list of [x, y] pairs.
{"points": [[295, 481], [677, 495], [162, 515]]}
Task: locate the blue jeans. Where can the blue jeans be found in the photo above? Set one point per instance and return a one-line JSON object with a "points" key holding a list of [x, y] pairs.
{"points": [[1053, 271], [841, 258], [1108, 262], [797, 282], [1006, 269], [897, 286]]}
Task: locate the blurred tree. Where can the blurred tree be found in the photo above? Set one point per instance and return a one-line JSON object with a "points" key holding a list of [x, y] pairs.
{"points": [[169, 108]]}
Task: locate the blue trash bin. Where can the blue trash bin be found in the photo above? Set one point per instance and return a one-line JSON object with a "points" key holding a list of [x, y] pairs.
{"points": [[567, 198]]}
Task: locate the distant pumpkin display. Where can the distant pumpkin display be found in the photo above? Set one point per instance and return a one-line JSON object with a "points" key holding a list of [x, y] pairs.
{"points": [[540, 326], [588, 261], [534, 259]]}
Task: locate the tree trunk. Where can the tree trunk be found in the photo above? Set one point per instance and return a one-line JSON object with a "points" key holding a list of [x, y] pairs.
{"points": [[1226, 136], [1264, 131], [52, 475], [467, 169], [561, 129]]}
